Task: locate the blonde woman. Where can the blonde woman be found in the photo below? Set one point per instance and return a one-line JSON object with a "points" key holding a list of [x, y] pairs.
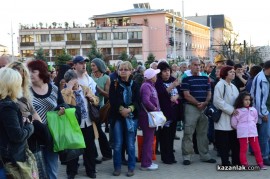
{"points": [[124, 98], [14, 131]]}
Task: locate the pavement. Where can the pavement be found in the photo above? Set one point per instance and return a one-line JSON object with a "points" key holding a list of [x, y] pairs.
{"points": [[197, 169]]}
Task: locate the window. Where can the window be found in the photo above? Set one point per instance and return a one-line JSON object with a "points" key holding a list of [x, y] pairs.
{"points": [[106, 51], [73, 37], [27, 38], [135, 35], [135, 50], [73, 52], [85, 51], [27, 53], [57, 37], [119, 35], [104, 36], [56, 52], [119, 50], [88, 36], [43, 38]]}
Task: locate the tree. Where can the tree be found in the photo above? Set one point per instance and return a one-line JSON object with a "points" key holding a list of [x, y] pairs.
{"points": [[40, 55], [150, 59], [123, 56], [66, 25], [54, 24], [41, 25], [94, 52], [62, 58]]}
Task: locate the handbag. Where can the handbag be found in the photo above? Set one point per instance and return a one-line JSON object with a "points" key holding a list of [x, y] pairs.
{"points": [[65, 130], [22, 170], [93, 113], [212, 112], [155, 118], [104, 112]]}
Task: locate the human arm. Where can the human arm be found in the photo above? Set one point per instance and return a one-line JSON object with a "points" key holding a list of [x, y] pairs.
{"points": [[234, 121], [105, 92], [145, 94], [90, 96]]}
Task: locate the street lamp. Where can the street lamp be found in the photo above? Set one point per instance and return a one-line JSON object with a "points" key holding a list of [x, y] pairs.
{"points": [[11, 34]]}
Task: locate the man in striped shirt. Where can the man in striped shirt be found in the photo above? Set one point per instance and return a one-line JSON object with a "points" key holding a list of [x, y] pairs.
{"points": [[197, 94]]}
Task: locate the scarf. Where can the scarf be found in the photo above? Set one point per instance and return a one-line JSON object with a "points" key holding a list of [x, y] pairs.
{"points": [[80, 103]]}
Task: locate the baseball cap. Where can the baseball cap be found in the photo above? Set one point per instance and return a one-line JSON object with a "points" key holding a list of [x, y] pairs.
{"points": [[150, 73], [79, 59]]}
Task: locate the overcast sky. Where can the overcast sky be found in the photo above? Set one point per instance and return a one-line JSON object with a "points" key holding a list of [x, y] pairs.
{"points": [[249, 18]]}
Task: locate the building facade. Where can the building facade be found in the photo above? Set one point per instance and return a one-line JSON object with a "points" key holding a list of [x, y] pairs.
{"points": [[137, 31]]}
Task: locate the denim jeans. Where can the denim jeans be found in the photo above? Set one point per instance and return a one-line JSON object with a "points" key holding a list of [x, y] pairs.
{"points": [[2, 173], [51, 159], [264, 136], [119, 130]]}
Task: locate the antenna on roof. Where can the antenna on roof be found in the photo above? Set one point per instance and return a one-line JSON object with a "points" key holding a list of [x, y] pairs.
{"points": [[142, 5]]}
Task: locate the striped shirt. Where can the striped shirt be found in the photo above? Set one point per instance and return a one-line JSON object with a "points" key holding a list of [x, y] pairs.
{"points": [[198, 86], [45, 103]]}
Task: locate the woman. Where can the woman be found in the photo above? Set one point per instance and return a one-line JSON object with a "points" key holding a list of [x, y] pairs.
{"points": [[149, 99], [124, 100], [225, 94], [103, 85], [41, 136], [14, 130], [167, 89], [46, 97], [77, 95]]}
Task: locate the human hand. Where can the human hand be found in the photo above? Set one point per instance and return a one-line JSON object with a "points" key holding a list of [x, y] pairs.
{"points": [[174, 99], [61, 111], [176, 83], [201, 105], [125, 112], [90, 98], [71, 83], [235, 113], [265, 118]]}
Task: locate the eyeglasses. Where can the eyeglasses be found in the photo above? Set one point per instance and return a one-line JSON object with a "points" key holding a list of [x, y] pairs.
{"points": [[211, 66], [124, 70]]}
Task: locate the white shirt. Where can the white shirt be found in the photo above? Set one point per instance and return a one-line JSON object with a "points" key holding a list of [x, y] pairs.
{"points": [[86, 80]]}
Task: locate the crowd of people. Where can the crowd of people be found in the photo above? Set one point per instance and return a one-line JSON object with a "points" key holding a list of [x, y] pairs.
{"points": [[183, 92]]}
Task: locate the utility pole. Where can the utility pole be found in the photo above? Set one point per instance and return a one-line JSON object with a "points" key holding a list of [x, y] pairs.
{"points": [[11, 34], [211, 40], [174, 46], [183, 32]]}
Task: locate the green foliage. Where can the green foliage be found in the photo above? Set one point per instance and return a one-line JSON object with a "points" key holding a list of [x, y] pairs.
{"points": [[62, 58], [94, 52], [40, 55], [134, 62], [150, 59], [123, 56]]}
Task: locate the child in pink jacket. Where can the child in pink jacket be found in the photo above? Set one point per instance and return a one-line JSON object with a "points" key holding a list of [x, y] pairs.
{"points": [[245, 124]]}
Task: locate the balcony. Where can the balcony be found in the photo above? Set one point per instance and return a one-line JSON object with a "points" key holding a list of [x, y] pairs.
{"points": [[27, 44], [134, 40], [87, 42], [73, 43]]}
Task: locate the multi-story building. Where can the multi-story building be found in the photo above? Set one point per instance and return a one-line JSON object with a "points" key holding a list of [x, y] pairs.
{"points": [[3, 50], [137, 31], [222, 33]]}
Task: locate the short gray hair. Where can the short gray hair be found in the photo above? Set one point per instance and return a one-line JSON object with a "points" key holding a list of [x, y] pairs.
{"points": [[69, 75], [183, 64], [193, 59]]}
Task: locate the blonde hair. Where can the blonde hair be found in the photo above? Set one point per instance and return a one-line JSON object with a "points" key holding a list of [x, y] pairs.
{"points": [[126, 64], [26, 81], [10, 83]]}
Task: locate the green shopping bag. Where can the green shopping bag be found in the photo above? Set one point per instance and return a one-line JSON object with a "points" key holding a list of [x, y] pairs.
{"points": [[65, 130]]}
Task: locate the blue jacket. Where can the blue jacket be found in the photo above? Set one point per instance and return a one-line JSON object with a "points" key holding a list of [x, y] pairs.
{"points": [[260, 91]]}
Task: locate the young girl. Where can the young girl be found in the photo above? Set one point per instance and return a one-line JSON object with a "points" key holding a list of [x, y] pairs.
{"points": [[245, 124]]}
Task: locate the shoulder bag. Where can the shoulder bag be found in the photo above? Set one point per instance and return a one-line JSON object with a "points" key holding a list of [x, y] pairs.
{"points": [[155, 118]]}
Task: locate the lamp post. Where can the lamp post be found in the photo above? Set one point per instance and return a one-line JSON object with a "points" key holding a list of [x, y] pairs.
{"points": [[11, 34]]}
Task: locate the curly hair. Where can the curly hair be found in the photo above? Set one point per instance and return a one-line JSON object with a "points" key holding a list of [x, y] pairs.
{"points": [[163, 66], [42, 67], [239, 102]]}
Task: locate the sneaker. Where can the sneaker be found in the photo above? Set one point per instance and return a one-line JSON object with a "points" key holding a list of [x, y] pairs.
{"points": [[263, 167], [186, 162], [130, 173], [116, 172], [152, 167], [154, 164]]}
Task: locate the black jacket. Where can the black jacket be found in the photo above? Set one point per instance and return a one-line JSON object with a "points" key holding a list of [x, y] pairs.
{"points": [[116, 99], [13, 133]]}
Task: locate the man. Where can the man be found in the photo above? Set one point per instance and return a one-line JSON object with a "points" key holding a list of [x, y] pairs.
{"points": [[79, 65], [4, 61], [197, 94], [240, 78], [209, 66], [260, 93], [219, 61]]}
